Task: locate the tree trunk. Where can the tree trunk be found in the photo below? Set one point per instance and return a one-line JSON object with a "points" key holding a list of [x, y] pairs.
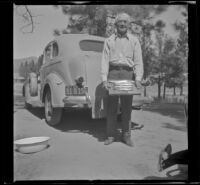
{"points": [[159, 87], [174, 91], [145, 91], [181, 90], [164, 91]]}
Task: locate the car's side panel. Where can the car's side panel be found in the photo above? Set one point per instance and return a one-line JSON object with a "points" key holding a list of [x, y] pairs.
{"points": [[57, 86]]}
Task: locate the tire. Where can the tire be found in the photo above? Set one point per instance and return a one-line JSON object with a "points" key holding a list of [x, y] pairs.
{"points": [[52, 115], [33, 85], [26, 96]]}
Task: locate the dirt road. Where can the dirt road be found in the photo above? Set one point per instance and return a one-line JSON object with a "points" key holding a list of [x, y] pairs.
{"points": [[77, 150]]}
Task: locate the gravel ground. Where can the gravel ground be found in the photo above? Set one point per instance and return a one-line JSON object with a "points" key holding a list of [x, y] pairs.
{"points": [[77, 150]]}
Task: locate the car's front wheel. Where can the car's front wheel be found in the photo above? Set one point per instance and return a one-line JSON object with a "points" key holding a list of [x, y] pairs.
{"points": [[52, 115]]}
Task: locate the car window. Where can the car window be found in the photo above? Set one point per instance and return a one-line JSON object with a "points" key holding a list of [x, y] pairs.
{"points": [[91, 45], [48, 52], [55, 49]]}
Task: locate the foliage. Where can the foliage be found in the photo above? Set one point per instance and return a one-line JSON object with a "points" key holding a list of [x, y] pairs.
{"points": [[160, 61], [170, 60], [93, 19], [28, 18]]}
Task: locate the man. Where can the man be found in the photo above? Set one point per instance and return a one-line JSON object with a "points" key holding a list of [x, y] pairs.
{"points": [[121, 57]]}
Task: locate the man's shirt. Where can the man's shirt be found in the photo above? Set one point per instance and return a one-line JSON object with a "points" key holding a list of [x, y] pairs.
{"points": [[122, 51]]}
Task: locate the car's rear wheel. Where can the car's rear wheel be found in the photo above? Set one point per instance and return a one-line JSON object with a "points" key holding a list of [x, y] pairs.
{"points": [[52, 115]]}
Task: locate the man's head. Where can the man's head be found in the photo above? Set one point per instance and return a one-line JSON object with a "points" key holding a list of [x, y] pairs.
{"points": [[122, 22]]}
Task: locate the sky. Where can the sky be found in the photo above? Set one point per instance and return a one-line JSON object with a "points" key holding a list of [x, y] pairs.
{"points": [[32, 44]]}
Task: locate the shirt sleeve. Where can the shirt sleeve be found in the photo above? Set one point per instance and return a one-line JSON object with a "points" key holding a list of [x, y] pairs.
{"points": [[138, 62], [105, 61]]}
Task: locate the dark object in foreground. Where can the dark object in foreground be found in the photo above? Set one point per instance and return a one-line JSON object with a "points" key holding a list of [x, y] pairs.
{"points": [[164, 155], [167, 159]]}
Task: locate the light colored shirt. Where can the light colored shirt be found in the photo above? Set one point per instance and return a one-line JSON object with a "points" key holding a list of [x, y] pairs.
{"points": [[122, 51]]}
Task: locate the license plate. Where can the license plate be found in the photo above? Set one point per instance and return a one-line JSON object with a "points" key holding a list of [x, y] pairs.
{"points": [[75, 91]]}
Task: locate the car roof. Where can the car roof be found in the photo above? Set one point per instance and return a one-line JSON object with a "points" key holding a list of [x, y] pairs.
{"points": [[77, 37], [70, 42]]}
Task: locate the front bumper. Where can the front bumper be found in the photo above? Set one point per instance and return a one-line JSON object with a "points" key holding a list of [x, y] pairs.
{"points": [[77, 102]]}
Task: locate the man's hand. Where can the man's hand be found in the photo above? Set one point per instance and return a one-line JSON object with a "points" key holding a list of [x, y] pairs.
{"points": [[146, 82], [138, 84], [105, 85]]}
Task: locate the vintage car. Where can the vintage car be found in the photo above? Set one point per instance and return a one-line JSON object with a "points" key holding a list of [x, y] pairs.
{"points": [[69, 77]]}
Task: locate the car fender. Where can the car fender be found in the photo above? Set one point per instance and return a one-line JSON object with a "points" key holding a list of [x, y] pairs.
{"points": [[57, 87]]}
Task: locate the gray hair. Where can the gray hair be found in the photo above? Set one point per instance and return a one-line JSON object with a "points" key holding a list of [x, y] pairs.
{"points": [[122, 16]]}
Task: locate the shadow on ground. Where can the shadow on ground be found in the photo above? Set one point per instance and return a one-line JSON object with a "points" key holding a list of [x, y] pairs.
{"points": [[172, 110], [80, 121], [77, 121], [175, 127], [38, 112]]}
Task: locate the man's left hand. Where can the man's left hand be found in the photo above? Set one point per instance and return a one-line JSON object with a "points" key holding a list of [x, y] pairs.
{"points": [[138, 84]]}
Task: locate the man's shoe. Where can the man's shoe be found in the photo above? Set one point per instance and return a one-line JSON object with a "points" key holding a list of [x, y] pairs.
{"points": [[109, 140], [127, 141]]}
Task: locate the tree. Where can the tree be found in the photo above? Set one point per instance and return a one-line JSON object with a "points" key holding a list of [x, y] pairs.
{"points": [[169, 46], [147, 50], [182, 46], [93, 19], [27, 16], [32, 66], [174, 74], [21, 69], [158, 67], [26, 69]]}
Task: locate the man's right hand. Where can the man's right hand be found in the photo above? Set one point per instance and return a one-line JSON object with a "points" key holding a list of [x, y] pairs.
{"points": [[105, 85]]}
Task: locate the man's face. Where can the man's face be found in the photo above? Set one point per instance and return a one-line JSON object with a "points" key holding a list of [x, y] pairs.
{"points": [[122, 26]]}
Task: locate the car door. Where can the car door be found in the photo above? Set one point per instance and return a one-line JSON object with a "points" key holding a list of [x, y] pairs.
{"points": [[47, 56]]}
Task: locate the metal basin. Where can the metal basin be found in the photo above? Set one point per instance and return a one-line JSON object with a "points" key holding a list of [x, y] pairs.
{"points": [[122, 87], [31, 144]]}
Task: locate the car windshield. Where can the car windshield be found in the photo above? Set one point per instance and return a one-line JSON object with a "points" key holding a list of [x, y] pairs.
{"points": [[91, 45]]}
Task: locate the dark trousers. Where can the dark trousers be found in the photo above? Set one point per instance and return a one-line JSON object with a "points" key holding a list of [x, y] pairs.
{"points": [[125, 102]]}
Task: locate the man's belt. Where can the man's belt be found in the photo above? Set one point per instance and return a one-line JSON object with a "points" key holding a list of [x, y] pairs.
{"points": [[120, 67]]}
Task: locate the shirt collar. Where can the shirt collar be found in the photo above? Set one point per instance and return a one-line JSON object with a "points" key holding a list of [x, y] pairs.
{"points": [[119, 36]]}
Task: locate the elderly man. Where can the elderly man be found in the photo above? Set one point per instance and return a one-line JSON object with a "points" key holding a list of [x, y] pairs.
{"points": [[121, 58]]}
